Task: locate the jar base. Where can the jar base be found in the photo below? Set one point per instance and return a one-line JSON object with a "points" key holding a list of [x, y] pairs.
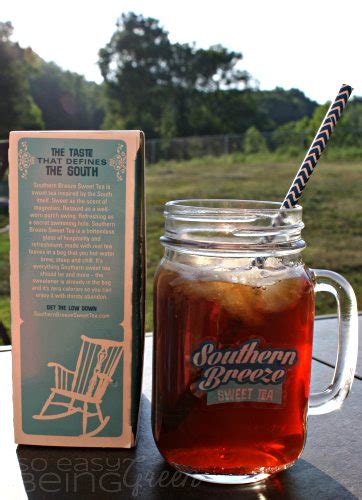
{"points": [[229, 478]]}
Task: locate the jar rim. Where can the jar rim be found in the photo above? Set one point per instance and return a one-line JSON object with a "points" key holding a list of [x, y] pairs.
{"points": [[194, 207], [220, 225]]}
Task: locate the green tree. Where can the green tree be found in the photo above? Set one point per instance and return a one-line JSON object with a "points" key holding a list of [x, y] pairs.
{"points": [[17, 107], [254, 142], [300, 133], [66, 99], [153, 84], [283, 106], [224, 112], [295, 135], [349, 131]]}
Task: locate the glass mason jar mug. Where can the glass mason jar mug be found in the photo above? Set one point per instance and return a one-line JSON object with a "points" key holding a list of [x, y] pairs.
{"points": [[233, 332]]}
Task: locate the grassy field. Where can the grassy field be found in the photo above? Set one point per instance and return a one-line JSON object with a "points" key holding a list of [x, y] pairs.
{"points": [[332, 212]]}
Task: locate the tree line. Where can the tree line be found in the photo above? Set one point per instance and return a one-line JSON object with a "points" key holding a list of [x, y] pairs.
{"points": [[166, 89]]}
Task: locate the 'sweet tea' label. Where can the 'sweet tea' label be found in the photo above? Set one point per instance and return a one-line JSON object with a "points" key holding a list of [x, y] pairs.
{"points": [[245, 374]]}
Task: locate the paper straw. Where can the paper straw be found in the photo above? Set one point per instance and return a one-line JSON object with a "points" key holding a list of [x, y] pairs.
{"points": [[317, 147], [309, 163]]}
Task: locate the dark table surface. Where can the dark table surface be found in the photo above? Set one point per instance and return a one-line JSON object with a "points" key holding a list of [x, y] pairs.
{"points": [[330, 467]]}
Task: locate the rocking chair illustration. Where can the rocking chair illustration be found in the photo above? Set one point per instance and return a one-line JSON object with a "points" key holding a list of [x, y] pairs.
{"points": [[86, 385]]}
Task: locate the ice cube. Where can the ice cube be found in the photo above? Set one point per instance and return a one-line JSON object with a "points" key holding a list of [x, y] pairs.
{"points": [[282, 295], [236, 299]]}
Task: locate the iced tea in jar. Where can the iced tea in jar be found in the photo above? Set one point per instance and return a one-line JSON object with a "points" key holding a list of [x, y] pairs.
{"points": [[233, 333]]}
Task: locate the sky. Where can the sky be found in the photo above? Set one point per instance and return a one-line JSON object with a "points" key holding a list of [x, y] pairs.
{"points": [[313, 45]]}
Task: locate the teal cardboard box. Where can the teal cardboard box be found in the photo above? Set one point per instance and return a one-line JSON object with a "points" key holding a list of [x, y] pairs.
{"points": [[77, 255]]}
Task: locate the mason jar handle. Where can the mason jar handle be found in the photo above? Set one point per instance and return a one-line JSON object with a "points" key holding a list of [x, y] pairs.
{"points": [[333, 396]]}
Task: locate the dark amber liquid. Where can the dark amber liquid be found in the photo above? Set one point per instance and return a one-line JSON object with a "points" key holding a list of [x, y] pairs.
{"points": [[235, 437]]}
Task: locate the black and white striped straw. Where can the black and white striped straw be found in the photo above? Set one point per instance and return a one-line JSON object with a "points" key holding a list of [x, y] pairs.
{"points": [[317, 147], [311, 158]]}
